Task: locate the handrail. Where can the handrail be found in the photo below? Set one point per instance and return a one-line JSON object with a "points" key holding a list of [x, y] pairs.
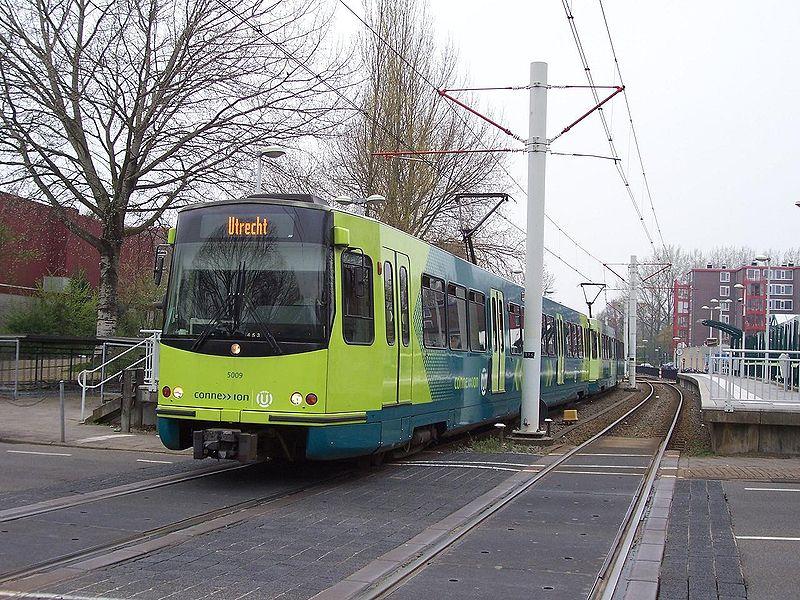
{"points": [[150, 345]]}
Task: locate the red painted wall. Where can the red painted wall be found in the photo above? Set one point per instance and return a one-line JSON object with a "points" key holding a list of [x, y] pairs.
{"points": [[42, 245]]}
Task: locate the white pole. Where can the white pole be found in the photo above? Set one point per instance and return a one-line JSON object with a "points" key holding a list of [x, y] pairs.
{"points": [[626, 336], [632, 300], [767, 370], [258, 173], [534, 250]]}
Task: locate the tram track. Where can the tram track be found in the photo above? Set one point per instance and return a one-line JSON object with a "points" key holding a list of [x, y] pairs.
{"points": [[407, 562], [67, 565]]}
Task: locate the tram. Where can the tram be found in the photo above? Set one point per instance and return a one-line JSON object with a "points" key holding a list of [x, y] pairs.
{"points": [[296, 331]]}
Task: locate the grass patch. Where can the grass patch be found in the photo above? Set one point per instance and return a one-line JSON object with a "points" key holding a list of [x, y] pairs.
{"points": [[493, 445]]}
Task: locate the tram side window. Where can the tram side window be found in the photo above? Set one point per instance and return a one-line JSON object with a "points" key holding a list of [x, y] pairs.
{"points": [[404, 318], [457, 316], [358, 319], [579, 341], [571, 345], [388, 302], [549, 336], [434, 328], [515, 327], [477, 322]]}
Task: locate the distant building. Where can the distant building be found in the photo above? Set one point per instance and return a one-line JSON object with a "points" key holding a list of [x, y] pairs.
{"points": [[747, 307], [37, 249]]}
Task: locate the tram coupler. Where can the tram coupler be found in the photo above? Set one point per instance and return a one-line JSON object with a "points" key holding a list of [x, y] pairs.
{"points": [[225, 444]]}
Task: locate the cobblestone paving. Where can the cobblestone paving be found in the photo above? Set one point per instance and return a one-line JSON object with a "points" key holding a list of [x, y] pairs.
{"points": [[297, 551], [740, 467], [17, 498], [701, 560]]}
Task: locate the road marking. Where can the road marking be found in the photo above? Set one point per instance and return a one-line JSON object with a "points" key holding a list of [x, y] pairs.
{"points": [[772, 489], [768, 538], [611, 454], [470, 462], [454, 465], [670, 476], [44, 596], [38, 453], [100, 438], [580, 466], [595, 473], [160, 462]]}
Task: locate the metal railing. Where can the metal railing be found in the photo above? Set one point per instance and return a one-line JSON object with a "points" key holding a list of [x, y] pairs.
{"points": [[748, 378], [9, 366], [143, 353], [32, 363]]}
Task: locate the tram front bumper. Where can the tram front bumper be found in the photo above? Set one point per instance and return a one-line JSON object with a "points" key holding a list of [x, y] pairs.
{"points": [[225, 444]]}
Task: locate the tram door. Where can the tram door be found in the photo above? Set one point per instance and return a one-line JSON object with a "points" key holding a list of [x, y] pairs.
{"points": [[498, 342], [560, 349], [396, 271]]}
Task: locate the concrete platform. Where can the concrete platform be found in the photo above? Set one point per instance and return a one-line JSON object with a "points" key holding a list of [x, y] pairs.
{"points": [[762, 417]]}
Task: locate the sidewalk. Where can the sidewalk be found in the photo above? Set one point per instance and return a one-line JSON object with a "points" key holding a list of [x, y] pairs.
{"points": [[35, 419]]}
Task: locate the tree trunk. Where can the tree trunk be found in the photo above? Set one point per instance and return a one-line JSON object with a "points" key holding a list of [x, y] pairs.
{"points": [[107, 305]]}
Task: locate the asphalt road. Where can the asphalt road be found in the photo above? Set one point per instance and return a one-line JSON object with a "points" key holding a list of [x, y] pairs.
{"points": [[767, 529], [31, 467]]}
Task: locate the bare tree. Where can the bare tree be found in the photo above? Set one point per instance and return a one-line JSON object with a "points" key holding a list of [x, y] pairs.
{"points": [[126, 109], [402, 111]]}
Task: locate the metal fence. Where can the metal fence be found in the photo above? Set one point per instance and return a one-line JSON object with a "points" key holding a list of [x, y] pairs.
{"points": [[746, 378], [35, 363]]}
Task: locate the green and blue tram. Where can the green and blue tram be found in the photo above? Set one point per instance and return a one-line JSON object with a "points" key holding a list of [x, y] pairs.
{"points": [[292, 330]]}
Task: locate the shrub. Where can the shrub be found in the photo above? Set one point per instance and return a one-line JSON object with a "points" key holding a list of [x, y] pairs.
{"points": [[72, 312]]}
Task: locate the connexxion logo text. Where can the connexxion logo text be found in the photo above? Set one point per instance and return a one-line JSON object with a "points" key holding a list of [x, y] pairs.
{"points": [[257, 227]]}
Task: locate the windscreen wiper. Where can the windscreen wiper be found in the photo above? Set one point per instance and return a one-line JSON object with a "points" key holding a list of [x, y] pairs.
{"points": [[214, 322]]}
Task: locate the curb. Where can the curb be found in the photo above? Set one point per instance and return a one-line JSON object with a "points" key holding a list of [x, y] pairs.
{"points": [[643, 567]]}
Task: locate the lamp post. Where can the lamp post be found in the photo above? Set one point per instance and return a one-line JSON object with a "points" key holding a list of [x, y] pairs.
{"points": [[765, 259], [268, 152], [675, 341], [741, 299], [365, 202]]}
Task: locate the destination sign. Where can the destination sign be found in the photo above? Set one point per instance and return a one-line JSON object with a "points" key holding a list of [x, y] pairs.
{"points": [[238, 227]]}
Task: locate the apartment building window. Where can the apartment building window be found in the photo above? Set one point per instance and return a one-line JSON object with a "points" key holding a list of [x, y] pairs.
{"points": [[725, 306], [724, 291], [683, 306], [724, 276], [754, 274], [780, 274], [725, 318], [780, 304], [781, 289]]}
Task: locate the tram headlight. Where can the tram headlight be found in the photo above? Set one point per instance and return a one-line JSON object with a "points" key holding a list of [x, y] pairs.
{"points": [[296, 398], [178, 392], [235, 349]]}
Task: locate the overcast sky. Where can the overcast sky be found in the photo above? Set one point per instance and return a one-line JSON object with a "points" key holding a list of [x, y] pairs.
{"points": [[714, 92]]}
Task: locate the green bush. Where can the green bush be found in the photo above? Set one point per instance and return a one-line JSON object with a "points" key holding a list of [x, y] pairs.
{"points": [[72, 312]]}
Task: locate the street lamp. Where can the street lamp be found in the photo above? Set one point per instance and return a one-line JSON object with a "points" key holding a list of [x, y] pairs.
{"points": [[675, 341], [268, 152], [365, 202], [765, 259]]}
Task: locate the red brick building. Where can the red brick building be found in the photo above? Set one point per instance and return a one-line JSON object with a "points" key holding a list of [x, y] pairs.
{"points": [[743, 307], [35, 243]]}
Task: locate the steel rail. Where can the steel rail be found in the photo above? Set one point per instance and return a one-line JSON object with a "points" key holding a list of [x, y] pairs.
{"points": [[46, 506], [608, 577], [129, 544], [389, 583]]}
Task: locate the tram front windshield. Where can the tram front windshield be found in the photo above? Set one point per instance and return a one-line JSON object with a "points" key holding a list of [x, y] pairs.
{"points": [[256, 272]]}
